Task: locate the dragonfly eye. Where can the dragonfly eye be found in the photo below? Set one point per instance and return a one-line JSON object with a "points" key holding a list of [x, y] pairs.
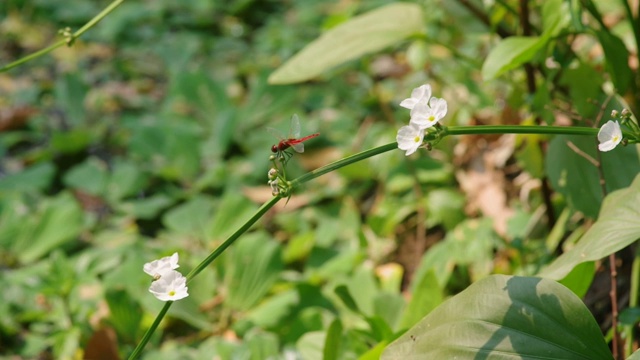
{"points": [[274, 148]]}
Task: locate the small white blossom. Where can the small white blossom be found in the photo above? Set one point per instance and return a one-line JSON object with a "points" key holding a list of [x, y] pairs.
{"points": [[275, 190], [609, 136], [418, 94], [410, 138], [157, 268], [427, 113], [171, 286]]}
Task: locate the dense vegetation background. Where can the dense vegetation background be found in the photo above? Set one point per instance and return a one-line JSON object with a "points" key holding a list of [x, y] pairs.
{"points": [[148, 136]]}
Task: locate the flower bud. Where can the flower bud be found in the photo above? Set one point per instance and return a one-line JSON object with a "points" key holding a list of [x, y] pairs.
{"points": [[273, 173], [614, 113]]}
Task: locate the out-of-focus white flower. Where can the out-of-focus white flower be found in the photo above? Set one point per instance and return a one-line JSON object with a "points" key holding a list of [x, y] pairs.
{"points": [[426, 114], [171, 286], [609, 136], [410, 138], [422, 93], [157, 268], [275, 190]]}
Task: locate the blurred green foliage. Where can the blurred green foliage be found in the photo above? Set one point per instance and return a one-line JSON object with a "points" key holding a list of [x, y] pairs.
{"points": [[148, 136]]}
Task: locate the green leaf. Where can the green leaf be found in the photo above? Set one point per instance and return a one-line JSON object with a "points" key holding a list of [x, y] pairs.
{"points": [[616, 227], [580, 278], [366, 33], [90, 177], [425, 297], [191, 218], [555, 17], [333, 341], [343, 293], [617, 60], [125, 314], [36, 177], [505, 317], [59, 221], [509, 54], [253, 267], [575, 177]]}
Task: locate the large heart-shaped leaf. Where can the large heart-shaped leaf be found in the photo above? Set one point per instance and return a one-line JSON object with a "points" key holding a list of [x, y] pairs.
{"points": [[505, 317], [617, 227], [363, 34]]}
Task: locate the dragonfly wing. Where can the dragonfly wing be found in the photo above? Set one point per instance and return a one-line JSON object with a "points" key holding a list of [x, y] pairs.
{"points": [[275, 132], [299, 147], [294, 130]]}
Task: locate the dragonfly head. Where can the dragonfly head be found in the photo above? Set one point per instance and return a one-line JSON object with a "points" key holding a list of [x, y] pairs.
{"points": [[274, 148]]}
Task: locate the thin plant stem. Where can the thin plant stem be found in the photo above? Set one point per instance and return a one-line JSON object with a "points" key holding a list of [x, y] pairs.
{"points": [[67, 41], [432, 136], [633, 300], [145, 339], [206, 262], [220, 249]]}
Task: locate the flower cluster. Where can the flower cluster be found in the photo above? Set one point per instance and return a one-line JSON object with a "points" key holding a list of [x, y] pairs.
{"points": [[426, 111], [168, 284]]}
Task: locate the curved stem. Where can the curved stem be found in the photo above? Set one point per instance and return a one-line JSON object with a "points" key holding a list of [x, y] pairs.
{"points": [[231, 239], [343, 162], [145, 339], [206, 262], [75, 35]]}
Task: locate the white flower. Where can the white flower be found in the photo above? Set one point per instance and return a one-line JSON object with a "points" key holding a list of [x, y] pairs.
{"points": [[609, 136], [410, 138], [157, 268], [171, 286], [418, 94], [427, 113], [275, 190]]}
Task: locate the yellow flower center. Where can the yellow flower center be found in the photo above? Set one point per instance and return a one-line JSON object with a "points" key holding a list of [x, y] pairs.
{"points": [[416, 139], [431, 118], [615, 138], [172, 293]]}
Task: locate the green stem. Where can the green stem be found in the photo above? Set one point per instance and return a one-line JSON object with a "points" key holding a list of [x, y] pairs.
{"points": [[145, 339], [515, 129], [633, 300], [217, 252], [75, 35], [342, 163]]}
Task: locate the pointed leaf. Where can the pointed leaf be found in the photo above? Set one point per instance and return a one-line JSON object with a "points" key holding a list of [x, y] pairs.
{"points": [[505, 317], [369, 32], [617, 227], [509, 54]]}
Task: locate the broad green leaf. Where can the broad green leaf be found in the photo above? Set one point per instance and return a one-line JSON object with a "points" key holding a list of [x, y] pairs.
{"points": [[575, 177], [555, 17], [333, 341], [126, 179], [191, 218], [425, 297], [58, 221], [366, 33], [70, 91], [580, 278], [36, 177], [253, 265], [505, 317], [617, 60], [509, 54], [616, 227], [634, 356], [90, 177], [125, 314]]}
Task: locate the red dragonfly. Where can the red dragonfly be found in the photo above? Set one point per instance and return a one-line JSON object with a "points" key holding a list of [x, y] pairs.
{"points": [[293, 140]]}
